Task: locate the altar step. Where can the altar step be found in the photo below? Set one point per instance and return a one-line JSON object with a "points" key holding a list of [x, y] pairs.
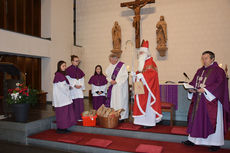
{"points": [[51, 139], [158, 133]]}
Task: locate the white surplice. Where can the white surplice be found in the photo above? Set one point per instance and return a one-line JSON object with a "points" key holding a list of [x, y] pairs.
{"points": [[61, 94], [119, 97], [99, 88], [75, 92], [217, 138]]}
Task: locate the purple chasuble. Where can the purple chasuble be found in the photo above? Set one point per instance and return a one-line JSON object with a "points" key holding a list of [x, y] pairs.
{"points": [[113, 77], [74, 72], [98, 80], [59, 77], [202, 113]]}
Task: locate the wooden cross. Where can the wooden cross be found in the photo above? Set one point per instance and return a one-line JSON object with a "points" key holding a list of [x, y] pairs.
{"points": [[136, 7]]}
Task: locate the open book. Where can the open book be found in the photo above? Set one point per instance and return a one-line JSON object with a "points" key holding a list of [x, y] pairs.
{"points": [[188, 86]]}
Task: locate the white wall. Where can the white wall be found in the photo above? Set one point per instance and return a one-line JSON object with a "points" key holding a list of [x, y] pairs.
{"points": [[193, 27]]}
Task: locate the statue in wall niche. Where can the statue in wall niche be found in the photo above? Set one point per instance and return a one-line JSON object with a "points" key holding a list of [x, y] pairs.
{"points": [[161, 36], [116, 37]]}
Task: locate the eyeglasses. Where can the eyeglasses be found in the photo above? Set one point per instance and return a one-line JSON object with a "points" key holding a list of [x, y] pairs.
{"points": [[77, 61]]}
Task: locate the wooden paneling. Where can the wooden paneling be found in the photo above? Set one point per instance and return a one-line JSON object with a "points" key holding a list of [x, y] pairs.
{"points": [[22, 16], [37, 18], [29, 66], [2, 13], [10, 15]]}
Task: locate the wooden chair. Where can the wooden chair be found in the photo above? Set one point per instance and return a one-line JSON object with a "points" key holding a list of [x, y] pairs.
{"points": [[168, 107]]}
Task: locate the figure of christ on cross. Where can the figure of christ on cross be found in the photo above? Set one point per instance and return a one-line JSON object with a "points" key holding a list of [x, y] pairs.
{"points": [[136, 7]]}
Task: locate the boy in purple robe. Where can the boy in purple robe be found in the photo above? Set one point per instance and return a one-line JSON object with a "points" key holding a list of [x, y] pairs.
{"points": [[76, 80], [62, 100], [209, 112], [99, 87]]}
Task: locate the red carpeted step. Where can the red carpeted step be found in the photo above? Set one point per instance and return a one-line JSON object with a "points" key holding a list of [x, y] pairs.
{"points": [[69, 139], [123, 143], [179, 130], [163, 129]]}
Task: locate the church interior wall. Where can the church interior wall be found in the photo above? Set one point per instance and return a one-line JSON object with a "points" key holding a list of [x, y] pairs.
{"points": [[192, 26]]}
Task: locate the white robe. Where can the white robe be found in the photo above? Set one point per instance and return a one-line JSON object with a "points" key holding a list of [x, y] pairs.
{"points": [[217, 138], [119, 97], [99, 88], [76, 93], [61, 94]]}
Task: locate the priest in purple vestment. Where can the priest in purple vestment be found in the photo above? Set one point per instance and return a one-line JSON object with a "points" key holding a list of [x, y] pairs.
{"points": [[209, 112], [117, 93], [62, 100], [99, 87], [76, 79]]}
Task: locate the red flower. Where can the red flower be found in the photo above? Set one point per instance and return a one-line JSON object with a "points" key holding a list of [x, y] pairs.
{"points": [[27, 94]]}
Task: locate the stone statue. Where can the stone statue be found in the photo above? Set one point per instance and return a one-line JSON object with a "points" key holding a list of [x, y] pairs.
{"points": [[116, 36], [161, 36]]}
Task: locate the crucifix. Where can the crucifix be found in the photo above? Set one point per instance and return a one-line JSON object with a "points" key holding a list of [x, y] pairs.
{"points": [[136, 7]]}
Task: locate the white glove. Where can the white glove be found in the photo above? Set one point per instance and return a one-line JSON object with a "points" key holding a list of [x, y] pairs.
{"points": [[133, 74], [139, 76]]}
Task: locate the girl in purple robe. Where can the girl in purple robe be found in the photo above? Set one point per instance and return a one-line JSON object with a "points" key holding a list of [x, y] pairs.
{"points": [[62, 100], [98, 82]]}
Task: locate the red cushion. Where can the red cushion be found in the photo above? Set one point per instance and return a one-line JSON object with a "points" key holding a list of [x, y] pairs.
{"points": [[166, 105], [149, 148], [99, 142]]}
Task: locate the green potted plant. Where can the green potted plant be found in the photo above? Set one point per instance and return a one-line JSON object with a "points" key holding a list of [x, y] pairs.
{"points": [[20, 98]]}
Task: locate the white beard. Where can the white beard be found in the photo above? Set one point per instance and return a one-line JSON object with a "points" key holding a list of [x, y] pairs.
{"points": [[141, 62]]}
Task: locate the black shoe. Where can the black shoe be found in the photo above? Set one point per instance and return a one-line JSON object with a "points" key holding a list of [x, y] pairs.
{"points": [[121, 121], [147, 127], [188, 143], [60, 131], [67, 131], [214, 148]]}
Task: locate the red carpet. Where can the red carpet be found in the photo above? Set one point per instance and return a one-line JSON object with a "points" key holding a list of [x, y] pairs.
{"points": [[125, 144], [69, 139], [164, 129]]}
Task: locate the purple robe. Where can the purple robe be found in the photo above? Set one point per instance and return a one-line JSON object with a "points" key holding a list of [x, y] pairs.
{"points": [[98, 80], [59, 77], [65, 116], [203, 113], [75, 72]]}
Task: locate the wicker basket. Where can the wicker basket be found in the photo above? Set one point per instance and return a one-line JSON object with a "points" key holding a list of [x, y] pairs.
{"points": [[108, 122]]}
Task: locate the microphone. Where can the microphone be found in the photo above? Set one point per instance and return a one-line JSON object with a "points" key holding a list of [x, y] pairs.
{"points": [[186, 75]]}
